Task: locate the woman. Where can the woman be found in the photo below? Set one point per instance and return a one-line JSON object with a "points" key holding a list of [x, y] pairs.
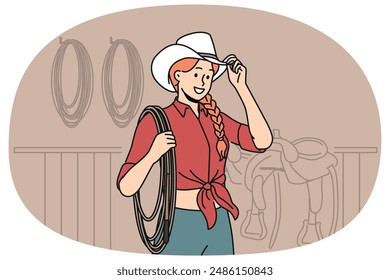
{"points": [[200, 133]]}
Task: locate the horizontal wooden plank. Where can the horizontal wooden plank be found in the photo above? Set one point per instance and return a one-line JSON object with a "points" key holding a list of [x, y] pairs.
{"points": [[33, 150]]}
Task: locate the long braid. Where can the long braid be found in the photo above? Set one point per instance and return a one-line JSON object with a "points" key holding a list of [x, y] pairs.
{"points": [[216, 117]]}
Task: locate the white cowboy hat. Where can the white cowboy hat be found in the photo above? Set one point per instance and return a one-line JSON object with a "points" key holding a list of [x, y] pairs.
{"points": [[194, 45]]}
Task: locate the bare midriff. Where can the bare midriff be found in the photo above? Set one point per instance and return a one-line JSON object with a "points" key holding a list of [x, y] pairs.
{"points": [[187, 199]]}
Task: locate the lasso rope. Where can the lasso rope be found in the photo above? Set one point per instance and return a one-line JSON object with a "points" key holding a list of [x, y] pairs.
{"points": [[124, 112], [165, 205], [72, 113]]}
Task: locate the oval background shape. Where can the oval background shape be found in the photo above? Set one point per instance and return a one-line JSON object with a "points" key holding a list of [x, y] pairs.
{"points": [[313, 181]]}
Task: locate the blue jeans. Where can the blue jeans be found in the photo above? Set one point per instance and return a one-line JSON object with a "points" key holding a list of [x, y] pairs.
{"points": [[190, 235]]}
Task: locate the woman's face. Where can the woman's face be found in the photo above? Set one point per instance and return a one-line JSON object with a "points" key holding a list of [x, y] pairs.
{"points": [[196, 83]]}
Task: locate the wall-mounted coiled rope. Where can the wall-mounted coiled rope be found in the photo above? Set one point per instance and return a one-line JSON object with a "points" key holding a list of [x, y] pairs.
{"points": [[165, 204], [72, 113], [124, 112]]}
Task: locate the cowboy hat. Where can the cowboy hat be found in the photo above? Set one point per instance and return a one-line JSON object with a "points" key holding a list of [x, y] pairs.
{"points": [[194, 45]]}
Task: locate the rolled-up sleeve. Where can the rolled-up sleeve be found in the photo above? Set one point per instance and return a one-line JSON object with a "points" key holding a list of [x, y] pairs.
{"points": [[239, 134], [143, 138]]}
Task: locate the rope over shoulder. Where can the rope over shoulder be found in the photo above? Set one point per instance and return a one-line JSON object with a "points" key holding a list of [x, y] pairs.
{"points": [[166, 200]]}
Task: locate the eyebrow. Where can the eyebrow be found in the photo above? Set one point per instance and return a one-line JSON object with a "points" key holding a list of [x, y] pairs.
{"points": [[202, 68]]}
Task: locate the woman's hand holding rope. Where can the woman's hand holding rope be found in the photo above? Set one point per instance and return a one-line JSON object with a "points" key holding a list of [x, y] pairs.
{"points": [[161, 144]]}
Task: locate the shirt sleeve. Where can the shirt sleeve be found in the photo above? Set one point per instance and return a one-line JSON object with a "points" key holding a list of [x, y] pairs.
{"points": [[239, 134], [143, 138]]}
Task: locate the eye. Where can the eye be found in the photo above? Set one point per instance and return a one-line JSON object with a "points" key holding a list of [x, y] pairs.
{"points": [[196, 75], [207, 77]]}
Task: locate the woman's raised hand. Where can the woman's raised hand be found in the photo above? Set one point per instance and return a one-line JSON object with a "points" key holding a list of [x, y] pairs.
{"points": [[236, 71]]}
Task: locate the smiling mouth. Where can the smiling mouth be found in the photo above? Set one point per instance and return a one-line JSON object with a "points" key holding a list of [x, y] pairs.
{"points": [[198, 90]]}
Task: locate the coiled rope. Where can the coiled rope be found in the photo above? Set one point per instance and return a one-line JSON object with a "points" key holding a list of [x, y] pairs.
{"points": [[124, 112], [165, 205], [72, 113]]}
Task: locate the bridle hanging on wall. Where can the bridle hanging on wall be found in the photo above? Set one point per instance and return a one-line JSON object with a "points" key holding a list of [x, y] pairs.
{"points": [[71, 114], [165, 205], [124, 112]]}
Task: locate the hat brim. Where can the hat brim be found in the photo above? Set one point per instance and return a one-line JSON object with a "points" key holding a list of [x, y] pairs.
{"points": [[164, 60]]}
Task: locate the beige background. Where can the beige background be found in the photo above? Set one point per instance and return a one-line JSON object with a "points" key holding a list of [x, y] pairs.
{"points": [[305, 83]]}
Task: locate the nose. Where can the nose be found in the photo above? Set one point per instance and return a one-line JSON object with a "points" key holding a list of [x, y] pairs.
{"points": [[203, 79]]}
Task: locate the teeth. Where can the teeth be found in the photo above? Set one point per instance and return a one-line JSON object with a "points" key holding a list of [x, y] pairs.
{"points": [[198, 90]]}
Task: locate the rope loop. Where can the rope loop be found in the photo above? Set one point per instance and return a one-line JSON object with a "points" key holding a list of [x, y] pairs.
{"points": [[71, 114], [124, 112], [166, 199]]}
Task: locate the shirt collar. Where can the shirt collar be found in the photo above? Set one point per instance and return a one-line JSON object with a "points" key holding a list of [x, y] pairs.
{"points": [[182, 108]]}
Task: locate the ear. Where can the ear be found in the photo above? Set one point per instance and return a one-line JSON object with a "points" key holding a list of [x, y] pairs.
{"points": [[177, 75]]}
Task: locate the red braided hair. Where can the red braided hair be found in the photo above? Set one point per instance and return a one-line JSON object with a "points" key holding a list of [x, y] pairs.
{"points": [[216, 117], [186, 65]]}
